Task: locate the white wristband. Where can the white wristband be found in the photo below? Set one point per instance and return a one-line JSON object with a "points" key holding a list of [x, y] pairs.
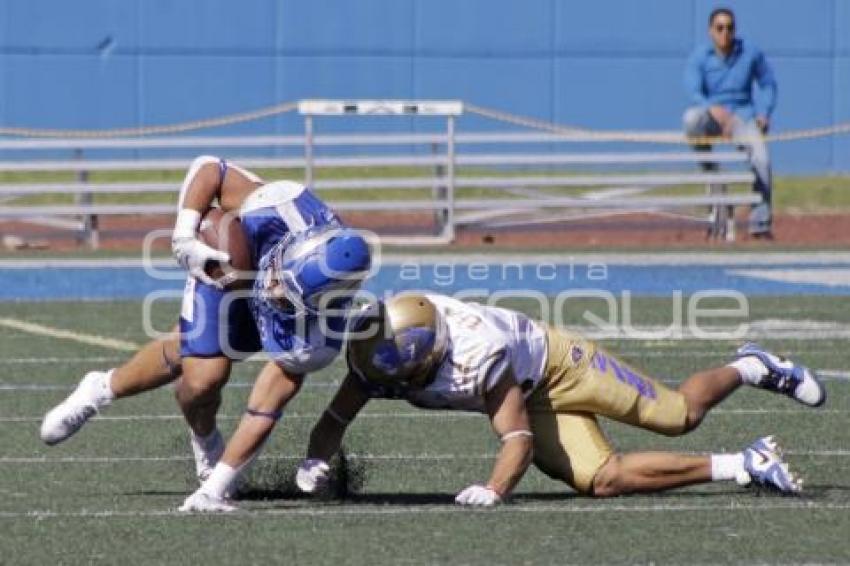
{"points": [[516, 434], [187, 223]]}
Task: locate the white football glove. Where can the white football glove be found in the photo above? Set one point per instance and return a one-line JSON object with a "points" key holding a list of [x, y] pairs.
{"points": [[312, 475], [478, 495], [201, 502], [191, 253]]}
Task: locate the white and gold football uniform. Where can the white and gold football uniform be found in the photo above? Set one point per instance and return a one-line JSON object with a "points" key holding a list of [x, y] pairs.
{"points": [[484, 343], [567, 380], [581, 381]]}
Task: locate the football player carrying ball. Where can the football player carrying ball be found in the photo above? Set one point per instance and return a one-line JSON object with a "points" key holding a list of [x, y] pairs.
{"points": [[304, 267]]}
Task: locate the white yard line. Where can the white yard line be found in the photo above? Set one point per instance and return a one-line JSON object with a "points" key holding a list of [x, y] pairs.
{"points": [[87, 263], [62, 334], [655, 258], [60, 360], [673, 352], [837, 453], [71, 386], [426, 415], [639, 259], [116, 359], [767, 329], [833, 375], [385, 510], [798, 276], [762, 329], [826, 375], [431, 415], [652, 334]]}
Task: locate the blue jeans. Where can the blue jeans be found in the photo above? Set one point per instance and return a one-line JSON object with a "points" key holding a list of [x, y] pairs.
{"points": [[698, 122]]}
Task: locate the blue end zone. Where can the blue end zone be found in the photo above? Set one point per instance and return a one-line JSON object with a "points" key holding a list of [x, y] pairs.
{"points": [[102, 282]]}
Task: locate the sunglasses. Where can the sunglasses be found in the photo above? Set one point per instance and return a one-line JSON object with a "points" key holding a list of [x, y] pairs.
{"points": [[726, 27]]}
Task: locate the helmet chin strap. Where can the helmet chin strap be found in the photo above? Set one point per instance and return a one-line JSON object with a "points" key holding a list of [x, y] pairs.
{"points": [[273, 295]]}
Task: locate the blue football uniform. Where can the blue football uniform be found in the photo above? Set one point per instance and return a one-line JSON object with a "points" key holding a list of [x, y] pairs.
{"points": [[239, 323]]}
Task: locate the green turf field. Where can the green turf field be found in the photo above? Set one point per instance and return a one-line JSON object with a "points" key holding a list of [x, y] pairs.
{"points": [[109, 495]]}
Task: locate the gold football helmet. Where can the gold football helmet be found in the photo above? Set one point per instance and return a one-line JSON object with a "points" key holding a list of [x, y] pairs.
{"points": [[398, 344]]}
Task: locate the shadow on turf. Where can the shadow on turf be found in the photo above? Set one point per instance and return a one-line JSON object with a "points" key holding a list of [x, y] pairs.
{"points": [[159, 492], [273, 480]]}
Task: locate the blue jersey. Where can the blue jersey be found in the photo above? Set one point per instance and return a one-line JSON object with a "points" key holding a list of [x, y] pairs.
{"points": [[278, 209], [298, 343]]}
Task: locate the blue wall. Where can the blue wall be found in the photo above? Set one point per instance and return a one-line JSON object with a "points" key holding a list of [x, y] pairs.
{"points": [[599, 64]]}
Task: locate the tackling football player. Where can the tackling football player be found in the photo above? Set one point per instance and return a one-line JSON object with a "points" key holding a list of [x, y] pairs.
{"points": [[305, 266], [542, 389]]}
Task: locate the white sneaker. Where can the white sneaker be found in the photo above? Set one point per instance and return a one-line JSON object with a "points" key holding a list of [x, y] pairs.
{"points": [[207, 453], [200, 502], [69, 416]]}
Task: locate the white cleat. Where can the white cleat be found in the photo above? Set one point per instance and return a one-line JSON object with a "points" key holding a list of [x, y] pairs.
{"points": [[69, 416], [200, 502], [786, 377], [207, 453], [765, 466]]}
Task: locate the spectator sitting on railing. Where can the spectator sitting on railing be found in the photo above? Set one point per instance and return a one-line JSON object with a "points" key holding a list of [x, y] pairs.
{"points": [[719, 79]]}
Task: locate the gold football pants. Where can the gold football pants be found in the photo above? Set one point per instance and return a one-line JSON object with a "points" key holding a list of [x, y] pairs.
{"points": [[580, 382]]}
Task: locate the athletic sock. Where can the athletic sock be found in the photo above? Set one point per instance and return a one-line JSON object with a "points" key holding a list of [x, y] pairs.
{"points": [[220, 480], [750, 368], [727, 466], [207, 442], [105, 396]]}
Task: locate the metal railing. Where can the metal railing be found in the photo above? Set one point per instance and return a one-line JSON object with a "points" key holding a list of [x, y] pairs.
{"points": [[496, 184]]}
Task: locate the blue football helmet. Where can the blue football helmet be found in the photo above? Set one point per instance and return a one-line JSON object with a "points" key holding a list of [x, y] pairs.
{"points": [[308, 267]]}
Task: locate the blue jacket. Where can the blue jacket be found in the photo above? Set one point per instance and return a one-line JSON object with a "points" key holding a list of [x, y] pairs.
{"points": [[714, 80]]}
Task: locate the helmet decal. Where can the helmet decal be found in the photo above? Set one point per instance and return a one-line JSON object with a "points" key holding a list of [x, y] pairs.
{"points": [[409, 342], [386, 358], [411, 347], [416, 343]]}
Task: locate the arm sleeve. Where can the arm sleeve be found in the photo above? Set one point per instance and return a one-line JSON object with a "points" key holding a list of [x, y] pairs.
{"points": [[766, 102], [694, 84], [196, 165]]}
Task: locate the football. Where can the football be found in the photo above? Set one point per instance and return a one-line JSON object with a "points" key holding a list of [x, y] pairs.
{"points": [[223, 231]]}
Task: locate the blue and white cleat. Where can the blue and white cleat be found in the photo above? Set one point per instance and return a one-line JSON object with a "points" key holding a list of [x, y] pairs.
{"points": [[784, 376], [765, 467]]}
